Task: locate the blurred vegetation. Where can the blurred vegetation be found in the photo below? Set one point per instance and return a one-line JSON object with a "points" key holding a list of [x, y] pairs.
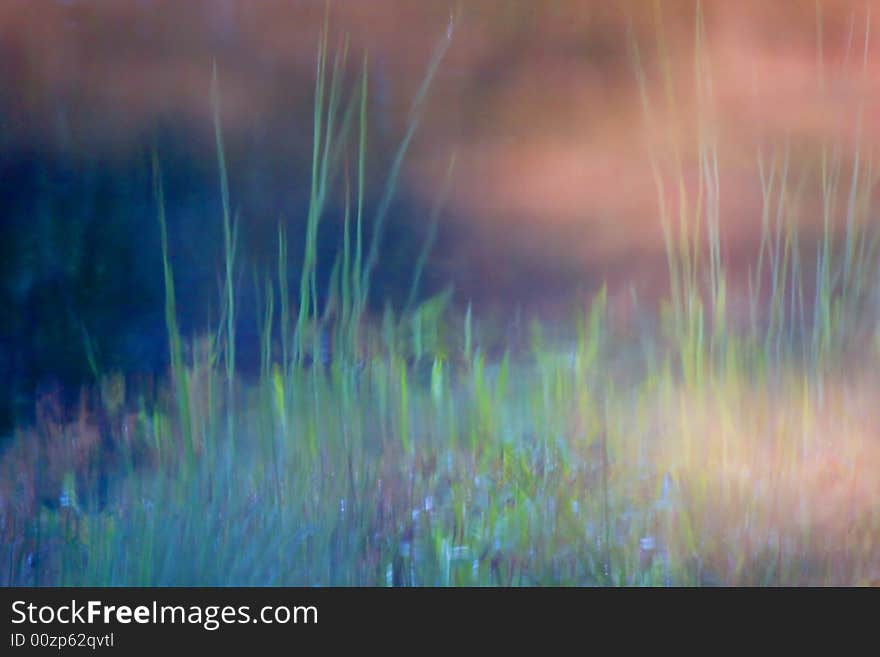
{"points": [[81, 288], [727, 436]]}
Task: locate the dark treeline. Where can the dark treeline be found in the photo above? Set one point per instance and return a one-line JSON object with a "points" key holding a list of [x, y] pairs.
{"points": [[80, 257]]}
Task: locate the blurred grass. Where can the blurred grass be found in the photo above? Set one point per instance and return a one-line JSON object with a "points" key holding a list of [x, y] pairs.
{"points": [[732, 440]]}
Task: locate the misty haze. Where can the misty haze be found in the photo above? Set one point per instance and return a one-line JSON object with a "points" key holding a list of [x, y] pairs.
{"points": [[494, 292]]}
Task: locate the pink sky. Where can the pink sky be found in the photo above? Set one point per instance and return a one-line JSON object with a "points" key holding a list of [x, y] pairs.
{"points": [[538, 101]]}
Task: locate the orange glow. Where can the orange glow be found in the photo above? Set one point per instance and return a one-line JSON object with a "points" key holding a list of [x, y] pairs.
{"points": [[541, 107]]}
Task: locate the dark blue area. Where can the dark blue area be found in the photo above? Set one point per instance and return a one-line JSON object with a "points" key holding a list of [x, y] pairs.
{"points": [[81, 269]]}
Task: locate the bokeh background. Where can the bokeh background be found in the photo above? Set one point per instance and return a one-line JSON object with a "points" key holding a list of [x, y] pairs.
{"points": [[538, 102]]}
